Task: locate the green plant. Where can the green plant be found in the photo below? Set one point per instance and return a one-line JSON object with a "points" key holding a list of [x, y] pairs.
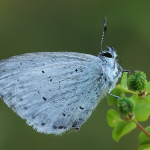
{"points": [[135, 108]]}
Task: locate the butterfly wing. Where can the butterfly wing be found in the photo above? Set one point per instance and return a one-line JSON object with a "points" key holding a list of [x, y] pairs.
{"points": [[52, 91]]}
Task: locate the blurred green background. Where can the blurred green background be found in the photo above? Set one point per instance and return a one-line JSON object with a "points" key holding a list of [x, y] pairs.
{"points": [[73, 25]]}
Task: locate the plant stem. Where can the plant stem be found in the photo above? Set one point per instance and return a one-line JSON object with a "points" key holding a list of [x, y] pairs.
{"points": [[125, 90], [129, 91], [141, 128]]}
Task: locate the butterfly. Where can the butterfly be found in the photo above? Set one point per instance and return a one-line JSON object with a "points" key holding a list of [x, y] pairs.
{"points": [[56, 91]]}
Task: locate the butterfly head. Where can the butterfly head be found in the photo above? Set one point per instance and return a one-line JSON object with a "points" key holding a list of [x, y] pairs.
{"points": [[109, 53]]}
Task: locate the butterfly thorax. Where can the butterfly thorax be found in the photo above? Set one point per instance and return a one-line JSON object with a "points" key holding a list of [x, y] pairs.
{"points": [[110, 65]]}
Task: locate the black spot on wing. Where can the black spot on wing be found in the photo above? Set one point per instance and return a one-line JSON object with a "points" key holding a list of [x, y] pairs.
{"points": [[74, 125], [54, 127], [42, 124], [1, 95], [81, 119], [33, 117], [20, 99], [44, 98], [99, 79], [61, 127], [81, 108], [12, 106]]}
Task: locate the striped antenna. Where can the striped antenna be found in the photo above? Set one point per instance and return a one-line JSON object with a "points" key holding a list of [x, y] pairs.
{"points": [[103, 35]]}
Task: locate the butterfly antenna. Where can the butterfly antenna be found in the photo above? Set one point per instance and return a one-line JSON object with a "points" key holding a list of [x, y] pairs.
{"points": [[103, 35]]}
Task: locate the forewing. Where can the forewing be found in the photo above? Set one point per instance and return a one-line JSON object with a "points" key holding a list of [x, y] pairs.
{"points": [[52, 91]]}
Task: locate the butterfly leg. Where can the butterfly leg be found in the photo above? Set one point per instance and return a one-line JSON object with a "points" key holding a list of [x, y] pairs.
{"points": [[111, 88], [122, 70]]}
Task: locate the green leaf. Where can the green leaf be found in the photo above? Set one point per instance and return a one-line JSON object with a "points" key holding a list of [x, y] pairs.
{"points": [[148, 87], [143, 138], [142, 112], [111, 99], [124, 81], [144, 147], [144, 100], [122, 128], [138, 100], [113, 117]]}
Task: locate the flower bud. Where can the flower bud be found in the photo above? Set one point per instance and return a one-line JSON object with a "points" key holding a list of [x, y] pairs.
{"points": [[137, 82], [125, 105]]}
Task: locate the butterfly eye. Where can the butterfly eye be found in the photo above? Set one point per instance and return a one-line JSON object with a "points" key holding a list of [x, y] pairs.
{"points": [[107, 55]]}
